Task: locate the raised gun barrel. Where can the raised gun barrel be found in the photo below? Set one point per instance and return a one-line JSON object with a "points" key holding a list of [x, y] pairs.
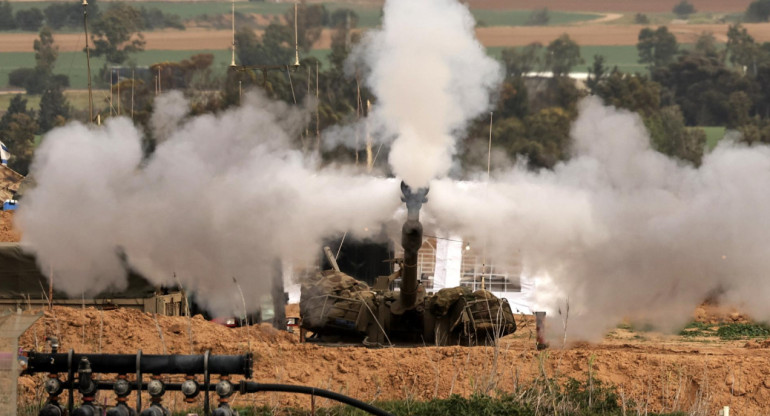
{"points": [[411, 240]]}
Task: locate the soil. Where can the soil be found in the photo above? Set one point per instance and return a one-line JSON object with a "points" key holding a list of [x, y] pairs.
{"points": [[599, 33], [7, 232], [646, 6], [661, 372]]}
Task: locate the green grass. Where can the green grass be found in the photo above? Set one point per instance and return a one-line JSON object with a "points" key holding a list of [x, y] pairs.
{"points": [[743, 331], [624, 57], [520, 17], [604, 402], [77, 99], [726, 331], [713, 136], [73, 64]]}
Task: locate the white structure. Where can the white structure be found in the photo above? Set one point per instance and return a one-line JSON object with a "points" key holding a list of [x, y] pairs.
{"points": [[450, 262]]}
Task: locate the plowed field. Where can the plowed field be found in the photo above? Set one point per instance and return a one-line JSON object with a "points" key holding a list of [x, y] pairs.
{"points": [[583, 34], [644, 6]]}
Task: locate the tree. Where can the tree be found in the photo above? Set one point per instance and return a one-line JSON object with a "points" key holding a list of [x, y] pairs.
{"points": [[743, 50], [29, 19], [69, 14], [656, 47], [547, 138], [118, 33], [633, 92], [154, 18], [596, 73], [739, 109], [54, 109], [539, 17], [273, 48], [38, 79], [310, 22], [670, 136], [344, 22], [562, 55], [683, 9], [706, 44], [513, 100], [521, 61], [702, 86], [20, 139], [758, 11], [46, 51], [18, 105], [344, 17], [641, 19], [7, 21]]}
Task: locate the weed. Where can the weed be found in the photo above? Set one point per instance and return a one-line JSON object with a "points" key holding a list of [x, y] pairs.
{"points": [[740, 331], [726, 331]]}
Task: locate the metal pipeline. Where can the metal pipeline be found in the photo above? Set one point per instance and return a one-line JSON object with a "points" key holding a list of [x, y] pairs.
{"points": [[152, 364], [411, 241]]}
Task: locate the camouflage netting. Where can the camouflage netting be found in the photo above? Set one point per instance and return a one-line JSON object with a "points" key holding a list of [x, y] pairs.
{"points": [[335, 299], [440, 304]]}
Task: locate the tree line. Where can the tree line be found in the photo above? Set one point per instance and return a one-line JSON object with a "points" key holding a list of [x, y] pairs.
{"points": [[708, 84], [69, 15]]}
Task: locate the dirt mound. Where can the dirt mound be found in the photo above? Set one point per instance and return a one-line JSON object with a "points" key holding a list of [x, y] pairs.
{"points": [[661, 372], [7, 232], [126, 330], [709, 313]]}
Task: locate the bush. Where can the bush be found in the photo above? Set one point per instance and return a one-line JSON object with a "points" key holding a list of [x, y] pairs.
{"points": [[641, 19], [539, 17], [20, 77], [739, 331], [684, 9], [7, 22], [758, 11], [31, 19], [59, 15], [154, 18]]}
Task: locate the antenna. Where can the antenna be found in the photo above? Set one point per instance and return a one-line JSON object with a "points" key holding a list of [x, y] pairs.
{"points": [[232, 61], [296, 37], [88, 64]]}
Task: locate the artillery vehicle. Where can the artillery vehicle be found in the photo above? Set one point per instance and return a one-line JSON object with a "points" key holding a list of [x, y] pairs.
{"points": [[336, 306]]}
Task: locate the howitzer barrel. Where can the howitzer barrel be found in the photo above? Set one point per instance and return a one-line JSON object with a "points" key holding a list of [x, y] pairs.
{"points": [[411, 241]]}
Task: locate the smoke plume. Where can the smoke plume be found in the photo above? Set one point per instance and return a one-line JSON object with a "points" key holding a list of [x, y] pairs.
{"points": [[430, 76], [223, 196], [624, 231]]}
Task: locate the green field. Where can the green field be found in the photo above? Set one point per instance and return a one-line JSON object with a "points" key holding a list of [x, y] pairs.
{"points": [[713, 136], [369, 16], [624, 57], [520, 17], [73, 64]]}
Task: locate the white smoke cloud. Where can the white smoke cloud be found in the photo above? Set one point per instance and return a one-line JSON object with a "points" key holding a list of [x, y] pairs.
{"points": [[170, 109], [430, 76], [624, 231], [222, 197]]}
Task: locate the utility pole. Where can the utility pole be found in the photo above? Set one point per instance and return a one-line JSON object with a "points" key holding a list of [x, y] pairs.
{"points": [[88, 64]]}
